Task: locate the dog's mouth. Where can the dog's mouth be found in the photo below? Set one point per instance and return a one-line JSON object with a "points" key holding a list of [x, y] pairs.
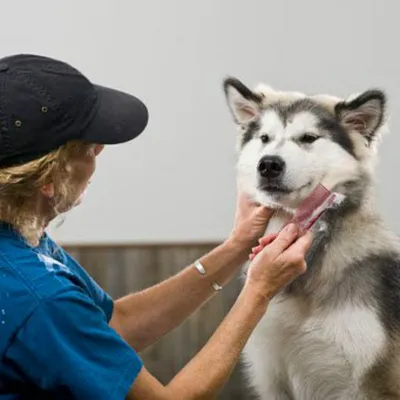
{"points": [[275, 189], [280, 189]]}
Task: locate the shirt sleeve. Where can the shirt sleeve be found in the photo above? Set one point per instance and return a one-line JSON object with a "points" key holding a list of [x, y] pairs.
{"points": [[99, 296], [67, 348]]}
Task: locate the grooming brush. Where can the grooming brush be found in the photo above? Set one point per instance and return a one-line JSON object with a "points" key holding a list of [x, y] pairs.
{"points": [[307, 213]]}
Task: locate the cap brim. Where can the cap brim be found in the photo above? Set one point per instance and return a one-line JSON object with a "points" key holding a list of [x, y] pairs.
{"points": [[120, 117]]}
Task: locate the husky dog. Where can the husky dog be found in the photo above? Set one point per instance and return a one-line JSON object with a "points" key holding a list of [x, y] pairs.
{"points": [[334, 332]]}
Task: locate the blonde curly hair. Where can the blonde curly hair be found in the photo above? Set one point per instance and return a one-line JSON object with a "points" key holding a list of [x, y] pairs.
{"points": [[20, 184]]}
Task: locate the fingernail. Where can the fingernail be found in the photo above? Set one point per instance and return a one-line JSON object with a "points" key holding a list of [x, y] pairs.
{"points": [[291, 229]]}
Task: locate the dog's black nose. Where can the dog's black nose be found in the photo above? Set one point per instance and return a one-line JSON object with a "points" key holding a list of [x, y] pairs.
{"points": [[271, 167]]}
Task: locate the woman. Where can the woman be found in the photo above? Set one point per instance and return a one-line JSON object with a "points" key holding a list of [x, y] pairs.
{"points": [[63, 337]]}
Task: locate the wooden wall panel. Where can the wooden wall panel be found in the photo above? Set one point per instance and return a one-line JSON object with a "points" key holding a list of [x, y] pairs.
{"points": [[125, 269]]}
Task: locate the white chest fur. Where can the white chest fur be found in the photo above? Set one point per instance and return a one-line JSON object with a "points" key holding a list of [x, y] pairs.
{"points": [[277, 222], [295, 354]]}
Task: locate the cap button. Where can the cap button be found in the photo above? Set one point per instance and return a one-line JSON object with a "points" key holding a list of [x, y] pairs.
{"points": [[3, 67]]}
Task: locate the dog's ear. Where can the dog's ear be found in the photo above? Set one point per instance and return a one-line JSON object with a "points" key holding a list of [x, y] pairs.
{"points": [[245, 105], [363, 114]]}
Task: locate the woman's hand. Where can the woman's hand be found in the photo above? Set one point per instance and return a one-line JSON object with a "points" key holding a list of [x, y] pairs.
{"points": [[206, 374], [279, 262], [251, 221]]}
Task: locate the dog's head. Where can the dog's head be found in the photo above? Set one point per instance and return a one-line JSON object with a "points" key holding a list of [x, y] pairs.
{"points": [[289, 142]]}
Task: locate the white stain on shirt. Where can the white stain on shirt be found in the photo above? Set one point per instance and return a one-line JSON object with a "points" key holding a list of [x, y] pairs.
{"points": [[52, 264]]}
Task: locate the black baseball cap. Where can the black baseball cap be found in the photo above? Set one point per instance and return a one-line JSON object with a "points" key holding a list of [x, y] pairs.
{"points": [[45, 103]]}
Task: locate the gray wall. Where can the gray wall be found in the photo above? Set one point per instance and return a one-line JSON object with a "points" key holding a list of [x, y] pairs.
{"points": [[169, 185]]}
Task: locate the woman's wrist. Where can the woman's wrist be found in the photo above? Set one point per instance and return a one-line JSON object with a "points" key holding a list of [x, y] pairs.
{"points": [[256, 296], [240, 242]]}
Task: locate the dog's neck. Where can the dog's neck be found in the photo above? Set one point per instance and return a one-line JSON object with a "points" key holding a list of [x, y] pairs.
{"points": [[277, 221], [350, 232], [352, 196]]}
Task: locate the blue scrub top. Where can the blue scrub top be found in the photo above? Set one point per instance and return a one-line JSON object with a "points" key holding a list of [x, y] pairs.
{"points": [[55, 341]]}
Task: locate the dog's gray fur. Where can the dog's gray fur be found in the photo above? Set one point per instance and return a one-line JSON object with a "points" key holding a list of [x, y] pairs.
{"points": [[333, 333]]}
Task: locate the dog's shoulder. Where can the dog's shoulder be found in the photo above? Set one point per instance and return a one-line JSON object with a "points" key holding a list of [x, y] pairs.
{"points": [[374, 280], [386, 266], [384, 271]]}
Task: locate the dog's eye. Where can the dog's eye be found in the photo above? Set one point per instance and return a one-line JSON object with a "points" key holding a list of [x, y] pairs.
{"points": [[308, 138], [264, 138]]}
